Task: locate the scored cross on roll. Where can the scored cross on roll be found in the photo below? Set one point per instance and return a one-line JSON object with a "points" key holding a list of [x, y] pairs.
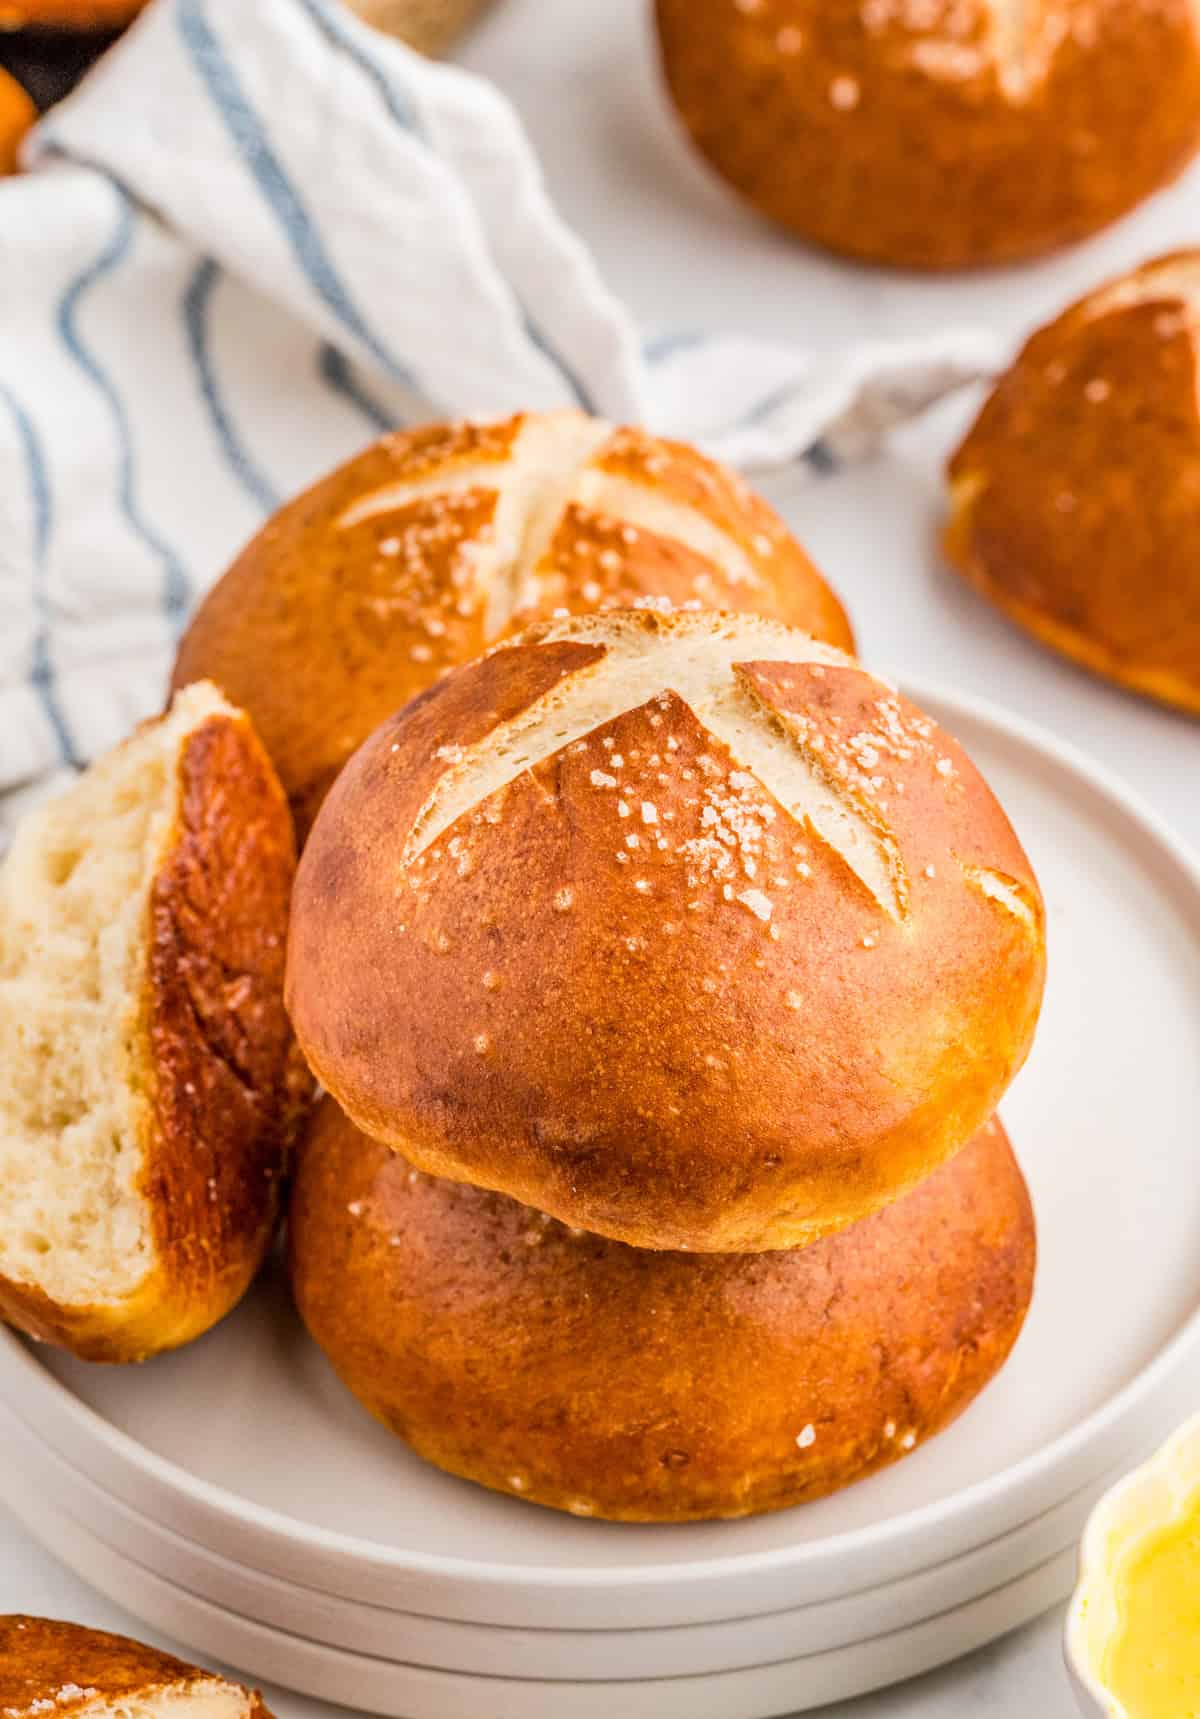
{"points": [[431, 545], [683, 928]]}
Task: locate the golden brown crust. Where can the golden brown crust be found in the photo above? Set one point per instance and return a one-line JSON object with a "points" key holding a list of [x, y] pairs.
{"points": [[582, 1374], [17, 115], [1076, 495], [326, 624], [68, 14], [224, 1087], [83, 15], [227, 1091], [629, 988], [45, 1663], [939, 135]]}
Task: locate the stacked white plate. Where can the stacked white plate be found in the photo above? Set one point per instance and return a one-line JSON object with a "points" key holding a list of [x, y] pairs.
{"points": [[236, 1498]]}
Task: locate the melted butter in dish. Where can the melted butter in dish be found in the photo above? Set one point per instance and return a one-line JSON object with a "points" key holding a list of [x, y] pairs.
{"points": [[1153, 1661]]}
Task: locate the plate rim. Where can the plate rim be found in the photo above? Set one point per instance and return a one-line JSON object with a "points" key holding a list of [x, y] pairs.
{"points": [[716, 1693], [867, 1542], [125, 1531]]}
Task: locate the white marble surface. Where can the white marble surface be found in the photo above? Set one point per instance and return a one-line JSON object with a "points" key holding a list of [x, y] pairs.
{"points": [[684, 254]]}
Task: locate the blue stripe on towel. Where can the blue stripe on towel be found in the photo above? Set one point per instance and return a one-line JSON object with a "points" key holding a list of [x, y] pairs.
{"points": [[41, 667], [334, 30], [175, 577], [249, 137], [583, 399], [819, 455], [660, 347], [197, 301], [337, 371], [326, 19]]}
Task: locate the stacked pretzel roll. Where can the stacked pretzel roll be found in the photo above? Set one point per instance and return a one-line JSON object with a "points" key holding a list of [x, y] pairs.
{"points": [[664, 969]]}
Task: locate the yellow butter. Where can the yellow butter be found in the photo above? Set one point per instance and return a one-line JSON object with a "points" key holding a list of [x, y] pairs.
{"points": [[1152, 1662]]}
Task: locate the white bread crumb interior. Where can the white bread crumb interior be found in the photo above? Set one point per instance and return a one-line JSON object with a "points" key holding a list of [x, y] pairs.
{"points": [[74, 894]]}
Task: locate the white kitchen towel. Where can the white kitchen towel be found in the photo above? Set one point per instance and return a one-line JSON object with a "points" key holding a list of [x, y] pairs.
{"points": [[259, 235]]}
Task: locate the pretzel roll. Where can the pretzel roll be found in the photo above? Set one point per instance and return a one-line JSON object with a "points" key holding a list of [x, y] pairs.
{"points": [[17, 115], [654, 1387], [68, 14], [1075, 499], [51, 1667], [683, 928], [433, 544], [149, 1083], [938, 133]]}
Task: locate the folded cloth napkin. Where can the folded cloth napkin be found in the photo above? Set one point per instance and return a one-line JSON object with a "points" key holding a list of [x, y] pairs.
{"points": [[256, 237]]}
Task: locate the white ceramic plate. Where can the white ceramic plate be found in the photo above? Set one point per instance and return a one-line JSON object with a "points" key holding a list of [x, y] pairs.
{"points": [[245, 1443], [398, 1691], [31, 1471]]}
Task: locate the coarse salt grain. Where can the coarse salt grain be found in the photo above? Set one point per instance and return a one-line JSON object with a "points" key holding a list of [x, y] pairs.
{"points": [[758, 903], [807, 1437]]}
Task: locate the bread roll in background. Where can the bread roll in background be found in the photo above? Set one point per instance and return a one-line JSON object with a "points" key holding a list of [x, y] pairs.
{"points": [[432, 544], [52, 1667], [1075, 498], [431, 26], [681, 927], [17, 115], [938, 133], [149, 1083], [654, 1387], [68, 14]]}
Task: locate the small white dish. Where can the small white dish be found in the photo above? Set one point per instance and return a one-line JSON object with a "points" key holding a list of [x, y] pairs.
{"points": [[1150, 1498]]}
